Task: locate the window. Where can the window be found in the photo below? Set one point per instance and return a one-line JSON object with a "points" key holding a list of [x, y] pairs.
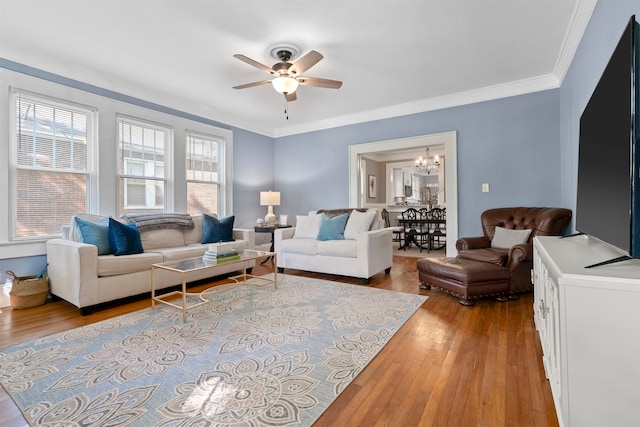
{"points": [[52, 166], [203, 173], [142, 166]]}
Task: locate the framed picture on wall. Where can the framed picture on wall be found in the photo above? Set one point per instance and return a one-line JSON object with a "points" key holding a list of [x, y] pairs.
{"points": [[372, 186]]}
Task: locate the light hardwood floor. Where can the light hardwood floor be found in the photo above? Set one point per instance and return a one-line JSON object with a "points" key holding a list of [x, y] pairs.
{"points": [[449, 365]]}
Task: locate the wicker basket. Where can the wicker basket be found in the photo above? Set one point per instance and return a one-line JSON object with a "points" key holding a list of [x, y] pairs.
{"points": [[29, 291]]}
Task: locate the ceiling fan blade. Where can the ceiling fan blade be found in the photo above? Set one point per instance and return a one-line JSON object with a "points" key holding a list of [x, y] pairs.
{"points": [[260, 83], [318, 82], [253, 63], [306, 62], [291, 97]]}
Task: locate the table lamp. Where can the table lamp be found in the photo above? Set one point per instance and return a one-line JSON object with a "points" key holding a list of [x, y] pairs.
{"points": [[270, 199]]}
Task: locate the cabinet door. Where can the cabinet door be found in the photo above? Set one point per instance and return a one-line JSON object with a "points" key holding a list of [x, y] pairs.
{"points": [[552, 326], [546, 324], [540, 310], [538, 290], [547, 320]]}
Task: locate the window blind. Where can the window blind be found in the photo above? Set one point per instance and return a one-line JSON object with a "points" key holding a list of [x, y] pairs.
{"points": [[141, 162], [51, 165], [203, 173]]}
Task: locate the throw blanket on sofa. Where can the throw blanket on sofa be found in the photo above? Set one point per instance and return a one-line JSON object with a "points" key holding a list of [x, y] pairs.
{"points": [[335, 212], [147, 221]]}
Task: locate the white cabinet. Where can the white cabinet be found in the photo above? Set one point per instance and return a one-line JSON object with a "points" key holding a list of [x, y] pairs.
{"points": [[589, 325]]}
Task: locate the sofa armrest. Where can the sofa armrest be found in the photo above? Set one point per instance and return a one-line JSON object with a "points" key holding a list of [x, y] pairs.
{"points": [[73, 271], [281, 234], [466, 243], [520, 254], [520, 263], [376, 248], [245, 234]]}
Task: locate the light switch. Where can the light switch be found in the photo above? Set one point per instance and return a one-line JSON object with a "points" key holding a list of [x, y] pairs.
{"points": [[485, 188]]}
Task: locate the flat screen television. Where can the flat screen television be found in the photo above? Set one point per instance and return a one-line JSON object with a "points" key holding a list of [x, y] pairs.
{"points": [[608, 199]]}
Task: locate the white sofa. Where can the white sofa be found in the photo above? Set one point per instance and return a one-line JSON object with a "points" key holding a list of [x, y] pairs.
{"points": [[80, 276], [362, 254]]}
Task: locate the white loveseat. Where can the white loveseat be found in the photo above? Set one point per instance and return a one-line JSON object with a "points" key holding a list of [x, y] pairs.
{"points": [[80, 276], [365, 250]]}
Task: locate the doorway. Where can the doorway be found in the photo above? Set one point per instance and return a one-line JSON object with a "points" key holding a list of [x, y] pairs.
{"points": [[448, 139]]}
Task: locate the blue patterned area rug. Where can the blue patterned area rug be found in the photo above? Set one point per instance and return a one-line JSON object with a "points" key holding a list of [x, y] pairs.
{"points": [[251, 357]]}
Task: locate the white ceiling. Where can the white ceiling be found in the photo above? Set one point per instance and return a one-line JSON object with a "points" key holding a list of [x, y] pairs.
{"points": [[395, 57]]}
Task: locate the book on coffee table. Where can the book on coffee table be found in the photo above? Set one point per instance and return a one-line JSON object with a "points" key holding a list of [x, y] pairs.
{"points": [[214, 257]]}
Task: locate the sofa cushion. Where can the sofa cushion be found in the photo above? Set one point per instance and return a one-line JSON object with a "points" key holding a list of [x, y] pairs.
{"points": [[339, 248], [94, 233], [162, 238], [184, 252], [505, 238], [111, 265], [217, 230], [300, 246], [358, 222], [307, 226], [332, 228], [124, 238], [195, 234], [492, 255], [195, 250]]}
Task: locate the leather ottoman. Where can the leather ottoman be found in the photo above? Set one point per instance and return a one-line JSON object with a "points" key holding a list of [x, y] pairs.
{"points": [[464, 278]]}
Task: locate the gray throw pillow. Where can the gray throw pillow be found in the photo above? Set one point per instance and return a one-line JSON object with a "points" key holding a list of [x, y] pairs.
{"points": [[505, 238]]}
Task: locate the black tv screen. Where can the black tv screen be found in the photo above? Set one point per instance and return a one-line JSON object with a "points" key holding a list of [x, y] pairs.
{"points": [[608, 201]]}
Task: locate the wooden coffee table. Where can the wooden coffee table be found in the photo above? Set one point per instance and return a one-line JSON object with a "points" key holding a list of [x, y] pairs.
{"points": [[190, 265]]}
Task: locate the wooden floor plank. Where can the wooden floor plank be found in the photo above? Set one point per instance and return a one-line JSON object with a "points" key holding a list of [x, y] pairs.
{"points": [[448, 365]]}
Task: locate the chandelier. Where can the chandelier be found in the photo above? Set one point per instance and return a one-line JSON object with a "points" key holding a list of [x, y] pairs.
{"points": [[427, 164]]}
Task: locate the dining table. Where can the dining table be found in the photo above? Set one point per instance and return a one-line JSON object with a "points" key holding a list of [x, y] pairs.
{"points": [[411, 236]]}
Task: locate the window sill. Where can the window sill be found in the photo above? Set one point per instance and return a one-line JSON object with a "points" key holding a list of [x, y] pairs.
{"points": [[22, 249]]}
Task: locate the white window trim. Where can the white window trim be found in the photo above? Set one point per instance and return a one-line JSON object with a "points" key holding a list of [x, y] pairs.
{"points": [[105, 181], [169, 154], [92, 157], [221, 144], [225, 163]]}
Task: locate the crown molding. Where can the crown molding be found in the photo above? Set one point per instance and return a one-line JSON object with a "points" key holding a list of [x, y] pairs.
{"points": [[488, 93], [581, 16], [580, 19]]}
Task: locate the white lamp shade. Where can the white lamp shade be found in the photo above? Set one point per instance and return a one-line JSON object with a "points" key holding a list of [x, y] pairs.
{"points": [[270, 198], [285, 84]]}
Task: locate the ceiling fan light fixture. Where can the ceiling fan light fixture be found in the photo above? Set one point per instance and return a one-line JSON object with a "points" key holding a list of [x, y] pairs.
{"points": [[285, 84]]}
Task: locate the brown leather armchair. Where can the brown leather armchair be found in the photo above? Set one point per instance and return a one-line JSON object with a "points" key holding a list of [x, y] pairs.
{"points": [[480, 270]]}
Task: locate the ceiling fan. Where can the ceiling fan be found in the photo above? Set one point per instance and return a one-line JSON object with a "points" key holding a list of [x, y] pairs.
{"points": [[287, 75]]}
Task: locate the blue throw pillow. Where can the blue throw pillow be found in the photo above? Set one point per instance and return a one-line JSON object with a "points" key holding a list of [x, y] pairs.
{"points": [[332, 228], [94, 233], [124, 238], [218, 230]]}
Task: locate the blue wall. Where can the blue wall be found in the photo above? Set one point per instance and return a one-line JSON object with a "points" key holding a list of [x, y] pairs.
{"points": [[512, 143], [253, 172], [23, 266]]}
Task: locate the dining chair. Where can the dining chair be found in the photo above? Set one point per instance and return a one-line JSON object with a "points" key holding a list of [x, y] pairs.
{"points": [[414, 230], [398, 231], [439, 231], [425, 228]]}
